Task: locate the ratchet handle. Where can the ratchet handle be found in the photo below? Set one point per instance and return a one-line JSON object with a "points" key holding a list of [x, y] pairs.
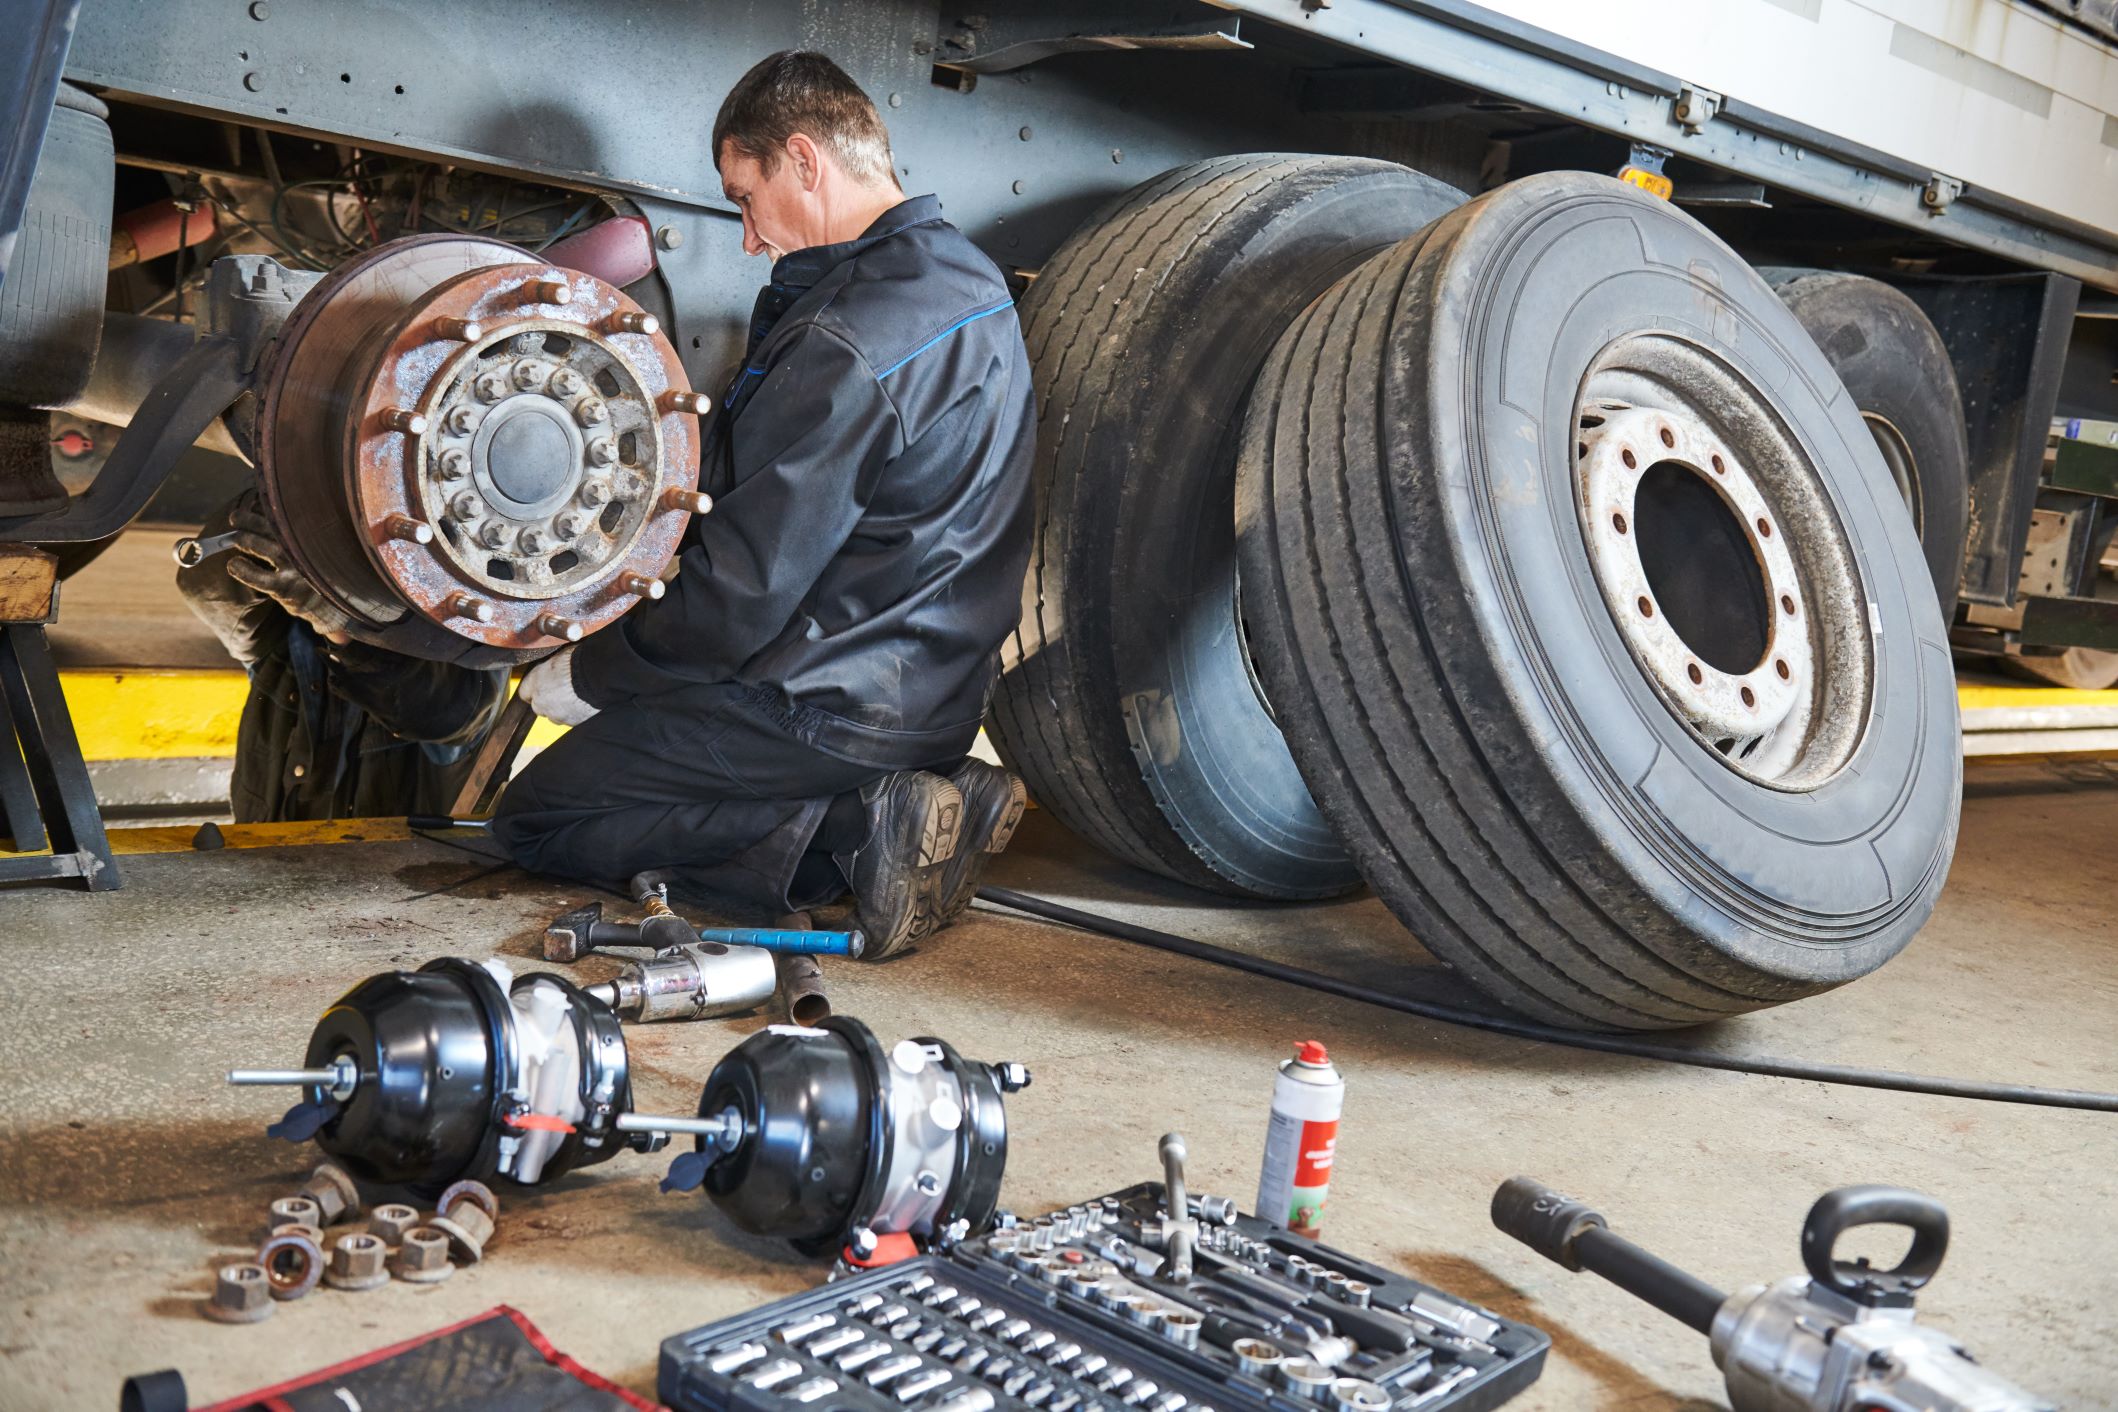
{"points": [[1837, 1212], [789, 943]]}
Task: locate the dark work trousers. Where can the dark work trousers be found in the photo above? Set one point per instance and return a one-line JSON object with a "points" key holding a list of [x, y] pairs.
{"points": [[722, 790]]}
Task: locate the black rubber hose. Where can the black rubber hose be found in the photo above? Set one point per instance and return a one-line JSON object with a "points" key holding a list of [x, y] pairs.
{"points": [[1548, 1034]]}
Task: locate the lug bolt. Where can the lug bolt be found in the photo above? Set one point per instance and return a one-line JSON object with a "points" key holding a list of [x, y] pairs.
{"points": [[529, 374], [465, 505], [548, 291], [593, 493], [567, 383], [552, 625], [678, 400], [461, 419], [462, 605], [408, 422], [453, 464], [491, 386], [570, 525], [591, 411], [641, 586], [530, 541], [462, 330], [629, 321], [492, 534], [691, 502], [603, 451], [406, 528]]}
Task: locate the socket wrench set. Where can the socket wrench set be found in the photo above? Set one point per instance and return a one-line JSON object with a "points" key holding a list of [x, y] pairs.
{"points": [[1112, 1306]]}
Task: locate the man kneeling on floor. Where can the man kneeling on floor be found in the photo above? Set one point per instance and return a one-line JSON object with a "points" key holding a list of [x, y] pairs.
{"points": [[791, 721]]}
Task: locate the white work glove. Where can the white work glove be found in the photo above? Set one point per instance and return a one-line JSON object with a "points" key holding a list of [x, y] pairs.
{"points": [[549, 689]]}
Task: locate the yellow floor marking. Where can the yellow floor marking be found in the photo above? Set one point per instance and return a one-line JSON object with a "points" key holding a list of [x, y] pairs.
{"points": [[1978, 698]]}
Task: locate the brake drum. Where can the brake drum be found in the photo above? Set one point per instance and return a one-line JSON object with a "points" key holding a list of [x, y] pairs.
{"points": [[477, 455]]}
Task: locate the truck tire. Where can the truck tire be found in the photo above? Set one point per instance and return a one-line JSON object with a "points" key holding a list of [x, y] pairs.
{"points": [[1891, 359], [1126, 700], [1615, 786]]}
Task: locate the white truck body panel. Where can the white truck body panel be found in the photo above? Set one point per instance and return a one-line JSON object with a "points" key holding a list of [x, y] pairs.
{"points": [[1995, 93]]}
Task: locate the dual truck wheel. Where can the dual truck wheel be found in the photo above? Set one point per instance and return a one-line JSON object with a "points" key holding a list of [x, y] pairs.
{"points": [[1522, 556]]}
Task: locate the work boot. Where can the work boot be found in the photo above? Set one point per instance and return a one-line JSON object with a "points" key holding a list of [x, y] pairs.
{"points": [[914, 820], [993, 801]]}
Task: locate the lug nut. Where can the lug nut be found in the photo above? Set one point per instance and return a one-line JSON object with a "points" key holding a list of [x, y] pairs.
{"points": [[406, 528], [603, 451], [292, 1211], [465, 505], [567, 383], [641, 586], [423, 1258], [460, 420], [591, 411], [462, 330], [492, 534], [491, 386], [408, 422], [678, 400], [529, 373], [389, 1223], [552, 625], [593, 493], [462, 605], [548, 291], [629, 321], [468, 1210], [357, 1263], [293, 1262], [333, 1192], [691, 502], [453, 464], [241, 1295], [530, 541]]}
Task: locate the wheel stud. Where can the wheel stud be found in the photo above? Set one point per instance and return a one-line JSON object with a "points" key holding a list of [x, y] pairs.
{"points": [[408, 422], [641, 586], [548, 291], [693, 502], [552, 625], [462, 605], [462, 330], [406, 528]]}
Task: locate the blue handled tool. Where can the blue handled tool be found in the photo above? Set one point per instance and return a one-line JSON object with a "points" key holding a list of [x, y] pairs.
{"points": [[789, 943]]}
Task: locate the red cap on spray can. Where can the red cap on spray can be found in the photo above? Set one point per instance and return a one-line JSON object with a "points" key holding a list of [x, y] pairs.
{"points": [[1311, 1051]]}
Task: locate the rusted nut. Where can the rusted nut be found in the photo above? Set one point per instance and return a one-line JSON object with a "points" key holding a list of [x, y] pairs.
{"points": [[466, 1214], [357, 1263], [242, 1294], [390, 1223], [293, 1211], [423, 1258], [314, 1233], [333, 1192], [293, 1261]]}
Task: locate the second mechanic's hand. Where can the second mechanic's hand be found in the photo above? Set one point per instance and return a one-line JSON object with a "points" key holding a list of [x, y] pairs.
{"points": [[262, 564], [549, 689]]}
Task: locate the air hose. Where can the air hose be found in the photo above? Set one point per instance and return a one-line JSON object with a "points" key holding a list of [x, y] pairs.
{"points": [[1547, 1034]]}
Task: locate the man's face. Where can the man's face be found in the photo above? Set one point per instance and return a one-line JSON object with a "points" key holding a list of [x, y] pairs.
{"points": [[777, 209]]}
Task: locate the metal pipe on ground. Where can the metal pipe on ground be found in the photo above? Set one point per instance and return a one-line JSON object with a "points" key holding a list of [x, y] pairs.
{"points": [[801, 979]]}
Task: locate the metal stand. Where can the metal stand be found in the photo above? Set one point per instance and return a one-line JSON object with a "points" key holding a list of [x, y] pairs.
{"points": [[44, 785]]}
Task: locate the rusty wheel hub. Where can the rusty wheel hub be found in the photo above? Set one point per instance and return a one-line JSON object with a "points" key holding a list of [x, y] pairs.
{"points": [[475, 454]]}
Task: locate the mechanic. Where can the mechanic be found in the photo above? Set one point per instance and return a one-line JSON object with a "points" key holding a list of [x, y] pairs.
{"points": [[332, 728], [792, 719]]}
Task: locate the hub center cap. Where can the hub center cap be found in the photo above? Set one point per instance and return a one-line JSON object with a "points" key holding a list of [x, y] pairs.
{"points": [[527, 456]]}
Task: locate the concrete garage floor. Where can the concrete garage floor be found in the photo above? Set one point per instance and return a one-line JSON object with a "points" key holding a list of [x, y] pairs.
{"points": [[128, 1171]]}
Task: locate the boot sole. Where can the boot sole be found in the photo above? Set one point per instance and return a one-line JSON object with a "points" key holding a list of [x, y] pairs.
{"points": [[940, 834], [996, 840]]}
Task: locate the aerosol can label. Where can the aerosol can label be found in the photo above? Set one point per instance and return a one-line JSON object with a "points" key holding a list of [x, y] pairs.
{"points": [[1300, 1141]]}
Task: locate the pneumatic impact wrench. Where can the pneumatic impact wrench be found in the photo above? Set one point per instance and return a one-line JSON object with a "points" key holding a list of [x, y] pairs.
{"points": [[1841, 1340]]}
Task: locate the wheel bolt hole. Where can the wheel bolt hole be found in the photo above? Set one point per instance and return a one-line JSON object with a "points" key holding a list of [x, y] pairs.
{"points": [[1631, 462], [1647, 606], [1580, 449], [1698, 678], [1764, 527], [1719, 469], [1781, 667], [1668, 437], [1618, 521], [1750, 698], [1787, 604]]}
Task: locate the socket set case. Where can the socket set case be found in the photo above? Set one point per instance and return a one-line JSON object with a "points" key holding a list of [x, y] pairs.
{"points": [[1068, 1313]]}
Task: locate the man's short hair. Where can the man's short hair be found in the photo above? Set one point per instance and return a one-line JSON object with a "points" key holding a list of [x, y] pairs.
{"points": [[795, 91]]}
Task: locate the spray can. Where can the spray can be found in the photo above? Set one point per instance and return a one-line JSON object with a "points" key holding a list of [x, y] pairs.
{"points": [[1300, 1141]]}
